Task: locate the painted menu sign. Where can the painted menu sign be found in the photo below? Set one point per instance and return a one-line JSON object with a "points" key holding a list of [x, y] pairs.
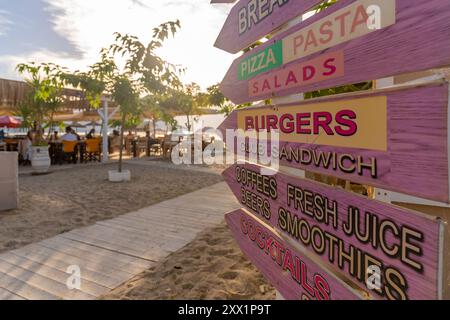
{"points": [[251, 20], [357, 235], [395, 139], [352, 41], [293, 274]]}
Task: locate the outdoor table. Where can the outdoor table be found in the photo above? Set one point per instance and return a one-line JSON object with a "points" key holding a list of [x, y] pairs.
{"points": [[56, 151], [11, 144]]}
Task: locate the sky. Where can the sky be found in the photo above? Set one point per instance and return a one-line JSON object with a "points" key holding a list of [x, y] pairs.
{"points": [[72, 32]]}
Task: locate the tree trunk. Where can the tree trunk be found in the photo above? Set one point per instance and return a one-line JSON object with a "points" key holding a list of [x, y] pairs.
{"points": [[154, 128], [122, 130], [50, 125], [188, 123]]}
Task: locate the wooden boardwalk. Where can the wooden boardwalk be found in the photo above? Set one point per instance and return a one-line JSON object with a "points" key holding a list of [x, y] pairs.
{"points": [[111, 252]]}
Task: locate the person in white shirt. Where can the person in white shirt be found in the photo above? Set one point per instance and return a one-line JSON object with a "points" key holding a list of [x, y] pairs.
{"points": [[69, 136], [25, 148]]}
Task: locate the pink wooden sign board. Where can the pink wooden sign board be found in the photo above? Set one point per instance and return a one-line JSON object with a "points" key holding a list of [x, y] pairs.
{"points": [[403, 242], [418, 40], [295, 276], [272, 16], [416, 160], [222, 1]]}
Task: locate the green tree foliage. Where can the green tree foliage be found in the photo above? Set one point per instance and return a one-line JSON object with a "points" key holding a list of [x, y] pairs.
{"points": [[141, 71], [44, 98], [187, 101]]}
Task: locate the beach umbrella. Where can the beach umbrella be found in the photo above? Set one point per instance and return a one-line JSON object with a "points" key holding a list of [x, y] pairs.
{"points": [[9, 122]]}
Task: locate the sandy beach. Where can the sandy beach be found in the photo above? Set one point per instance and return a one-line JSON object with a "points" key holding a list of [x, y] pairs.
{"points": [[68, 199], [210, 267]]}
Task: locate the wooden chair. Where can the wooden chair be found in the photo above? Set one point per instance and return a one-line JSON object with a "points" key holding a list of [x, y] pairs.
{"points": [[11, 144], [129, 144], [70, 151], [155, 146], [93, 150], [2, 146], [142, 145]]}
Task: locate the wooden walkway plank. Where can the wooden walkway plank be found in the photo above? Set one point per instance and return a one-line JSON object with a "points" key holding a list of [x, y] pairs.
{"points": [[87, 286], [25, 289], [151, 254], [88, 259], [166, 222], [153, 247], [130, 226], [139, 242], [93, 253], [7, 295], [41, 282], [96, 276], [186, 217], [171, 223]]}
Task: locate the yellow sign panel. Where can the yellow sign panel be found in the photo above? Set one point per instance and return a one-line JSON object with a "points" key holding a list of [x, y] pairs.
{"points": [[357, 123]]}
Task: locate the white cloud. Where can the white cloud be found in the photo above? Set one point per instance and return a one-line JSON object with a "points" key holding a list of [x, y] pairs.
{"points": [[8, 63], [89, 26], [5, 22]]}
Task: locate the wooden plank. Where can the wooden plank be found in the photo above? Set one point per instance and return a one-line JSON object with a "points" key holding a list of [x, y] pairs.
{"points": [[395, 139], [193, 216], [222, 1], [185, 220], [93, 253], [108, 266], [7, 295], [154, 245], [24, 289], [163, 224], [132, 226], [247, 22], [292, 273], [210, 209], [312, 59], [349, 231], [41, 282], [158, 238], [152, 253], [46, 252], [201, 201], [113, 236], [86, 286], [95, 274]]}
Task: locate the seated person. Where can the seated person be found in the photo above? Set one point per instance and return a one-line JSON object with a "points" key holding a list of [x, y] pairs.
{"points": [[2, 135], [25, 149], [91, 134], [115, 141], [54, 137], [69, 136], [76, 134], [128, 142]]}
